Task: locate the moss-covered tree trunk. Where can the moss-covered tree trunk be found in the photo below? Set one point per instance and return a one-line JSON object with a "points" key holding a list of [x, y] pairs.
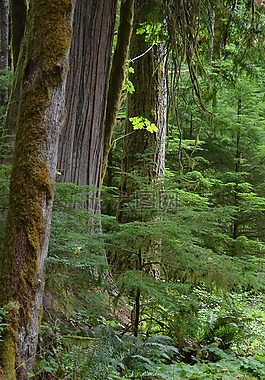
{"points": [[81, 143], [41, 74], [117, 75]]}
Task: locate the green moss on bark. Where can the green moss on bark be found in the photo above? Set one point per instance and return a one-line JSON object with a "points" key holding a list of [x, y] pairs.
{"points": [[30, 186], [51, 26], [8, 357], [117, 75], [30, 181], [45, 49]]}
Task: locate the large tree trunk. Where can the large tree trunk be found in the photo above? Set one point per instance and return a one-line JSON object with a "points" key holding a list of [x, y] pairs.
{"points": [[41, 75], [81, 143]]}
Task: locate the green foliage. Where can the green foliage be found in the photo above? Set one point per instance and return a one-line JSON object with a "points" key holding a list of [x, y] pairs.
{"points": [[228, 368], [2, 322], [198, 320], [45, 368], [5, 140], [128, 84], [154, 33], [4, 189], [6, 77], [203, 318], [76, 260], [105, 355], [140, 122]]}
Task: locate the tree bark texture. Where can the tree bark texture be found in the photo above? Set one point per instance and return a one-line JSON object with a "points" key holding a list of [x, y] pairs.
{"points": [[82, 138], [117, 75], [41, 73], [4, 45]]}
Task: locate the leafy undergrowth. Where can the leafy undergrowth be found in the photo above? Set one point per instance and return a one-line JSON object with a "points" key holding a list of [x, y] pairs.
{"points": [[192, 324], [103, 354], [227, 368]]}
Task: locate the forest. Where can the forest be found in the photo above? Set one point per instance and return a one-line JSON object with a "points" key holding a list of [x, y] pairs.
{"points": [[132, 182]]}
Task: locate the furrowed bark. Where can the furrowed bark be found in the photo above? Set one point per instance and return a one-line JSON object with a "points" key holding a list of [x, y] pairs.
{"points": [[81, 142]]}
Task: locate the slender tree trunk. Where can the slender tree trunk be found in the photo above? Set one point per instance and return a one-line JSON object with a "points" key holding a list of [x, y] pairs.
{"points": [[136, 321], [211, 13], [18, 15], [82, 138], [4, 46], [220, 29], [144, 152], [238, 153], [41, 72], [117, 74]]}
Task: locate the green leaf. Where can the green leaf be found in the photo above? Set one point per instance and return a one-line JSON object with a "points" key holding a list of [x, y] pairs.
{"points": [[31, 374], [140, 122]]}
